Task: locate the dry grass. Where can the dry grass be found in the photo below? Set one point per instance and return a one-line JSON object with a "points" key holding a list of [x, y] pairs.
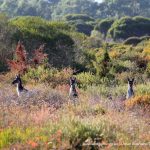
{"points": [[43, 119]]}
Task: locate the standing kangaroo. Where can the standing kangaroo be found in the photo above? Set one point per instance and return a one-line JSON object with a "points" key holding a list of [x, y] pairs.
{"points": [[73, 92], [20, 89], [130, 91]]}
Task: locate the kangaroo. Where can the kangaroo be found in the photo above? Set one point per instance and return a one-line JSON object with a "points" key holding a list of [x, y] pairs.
{"points": [[73, 92], [20, 89], [130, 91]]}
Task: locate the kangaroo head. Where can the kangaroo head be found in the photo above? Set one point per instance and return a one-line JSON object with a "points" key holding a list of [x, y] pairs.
{"points": [[72, 80], [17, 79], [131, 82]]}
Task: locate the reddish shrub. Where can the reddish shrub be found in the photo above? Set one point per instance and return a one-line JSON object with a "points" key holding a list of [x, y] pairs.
{"points": [[39, 55], [20, 63]]}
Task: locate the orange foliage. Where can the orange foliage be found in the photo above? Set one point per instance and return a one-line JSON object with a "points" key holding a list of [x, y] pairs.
{"points": [[57, 138], [142, 100], [20, 63], [39, 55], [33, 144], [146, 52], [114, 54]]}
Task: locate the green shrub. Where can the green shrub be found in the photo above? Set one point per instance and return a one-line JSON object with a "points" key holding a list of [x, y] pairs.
{"points": [[117, 68], [102, 63], [104, 25], [34, 31], [84, 28], [74, 17], [142, 89], [73, 132], [148, 69], [6, 41], [128, 27], [50, 76], [86, 79]]}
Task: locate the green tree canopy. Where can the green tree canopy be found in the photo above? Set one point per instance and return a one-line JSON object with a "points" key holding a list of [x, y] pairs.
{"points": [[6, 41], [57, 9], [104, 25], [75, 17], [128, 27]]}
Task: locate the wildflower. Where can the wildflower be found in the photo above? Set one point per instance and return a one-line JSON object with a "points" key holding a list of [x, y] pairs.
{"points": [[33, 144]]}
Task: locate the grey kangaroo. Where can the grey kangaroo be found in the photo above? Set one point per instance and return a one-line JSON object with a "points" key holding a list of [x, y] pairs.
{"points": [[73, 92], [130, 91], [20, 89]]}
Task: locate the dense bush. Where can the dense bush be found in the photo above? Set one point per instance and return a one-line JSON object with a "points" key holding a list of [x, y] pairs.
{"points": [[65, 7], [104, 25], [74, 17], [62, 43], [56, 9], [82, 23], [6, 41], [34, 31], [84, 28], [128, 27], [48, 75], [148, 69], [21, 61], [142, 100], [102, 63], [28, 7]]}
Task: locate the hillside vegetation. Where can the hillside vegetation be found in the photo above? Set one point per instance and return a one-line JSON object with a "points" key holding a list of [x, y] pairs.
{"points": [[71, 43], [56, 9], [102, 54]]}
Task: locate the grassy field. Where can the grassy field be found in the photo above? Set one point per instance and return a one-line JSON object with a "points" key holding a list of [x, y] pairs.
{"points": [[45, 118]]}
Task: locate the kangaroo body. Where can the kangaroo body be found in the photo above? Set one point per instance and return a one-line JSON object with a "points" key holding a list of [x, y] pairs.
{"points": [[73, 91], [20, 89], [73, 95], [130, 91]]}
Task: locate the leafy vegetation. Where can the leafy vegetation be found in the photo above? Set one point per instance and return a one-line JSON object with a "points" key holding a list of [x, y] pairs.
{"points": [[56, 9], [82, 23], [6, 41], [75, 17], [101, 53], [142, 101], [127, 27], [57, 37], [104, 25]]}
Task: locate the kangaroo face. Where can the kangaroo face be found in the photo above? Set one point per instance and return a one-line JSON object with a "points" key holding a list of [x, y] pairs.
{"points": [[130, 82], [72, 81], [16, 80], [73, 86], [130, 91]]}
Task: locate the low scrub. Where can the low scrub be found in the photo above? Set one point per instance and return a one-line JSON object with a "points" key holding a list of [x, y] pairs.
{"points": [[50, 76], [142, 100]]}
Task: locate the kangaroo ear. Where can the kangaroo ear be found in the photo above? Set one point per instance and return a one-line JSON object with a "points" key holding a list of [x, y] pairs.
{"points": [[18, 75], [128, 79], [70, 78], [132, 79]]}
